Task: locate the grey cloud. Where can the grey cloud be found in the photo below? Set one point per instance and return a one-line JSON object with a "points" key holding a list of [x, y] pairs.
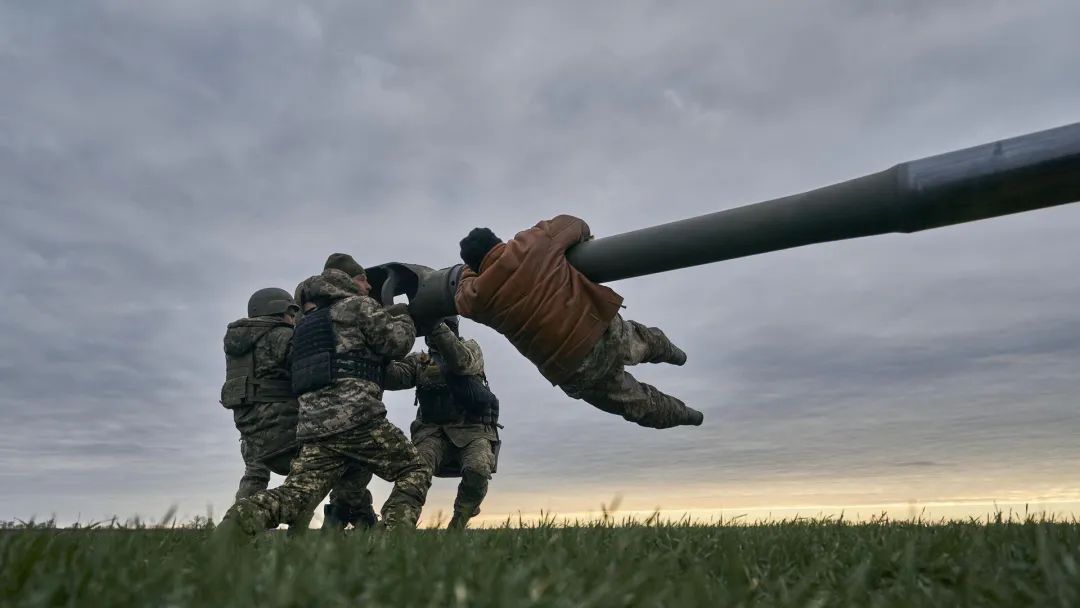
{"points": [[158, 162]]}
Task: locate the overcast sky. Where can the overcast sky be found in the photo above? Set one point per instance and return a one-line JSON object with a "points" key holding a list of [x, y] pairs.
{"points": [[161, 161]]}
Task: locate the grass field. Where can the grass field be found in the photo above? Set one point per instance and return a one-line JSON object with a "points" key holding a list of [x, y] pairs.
{"points": [[798, 563]]}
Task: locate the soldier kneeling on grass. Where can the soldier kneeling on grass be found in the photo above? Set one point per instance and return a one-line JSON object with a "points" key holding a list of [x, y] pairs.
{"points": [[456, 430]]}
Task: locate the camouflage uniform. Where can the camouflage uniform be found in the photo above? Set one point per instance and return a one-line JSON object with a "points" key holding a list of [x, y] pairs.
{"points": [[267, 425], [601, 381], [342, 427], [457, 443], [268, 428]]}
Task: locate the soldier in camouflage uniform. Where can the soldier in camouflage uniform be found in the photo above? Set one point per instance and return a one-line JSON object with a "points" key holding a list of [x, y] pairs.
{"points": [[456, 426], [340, 350], [258, 390], [257, 387]]}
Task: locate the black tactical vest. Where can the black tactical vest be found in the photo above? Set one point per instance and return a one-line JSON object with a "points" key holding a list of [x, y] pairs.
{"points": [[315, 361], [460, 398], [242, 388]]}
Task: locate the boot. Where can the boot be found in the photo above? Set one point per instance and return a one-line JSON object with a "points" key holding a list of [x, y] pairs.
{"points": [[364, 520], [230, 533], [462, 515], [459, 521], [675, 356], [661, 348], [694, 417], [333, 518]]}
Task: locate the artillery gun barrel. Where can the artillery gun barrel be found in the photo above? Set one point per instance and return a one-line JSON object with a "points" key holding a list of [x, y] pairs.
{"points": [[1009, 176]]}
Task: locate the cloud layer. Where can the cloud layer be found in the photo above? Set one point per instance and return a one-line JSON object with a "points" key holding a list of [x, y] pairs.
{"points": [[158, 163]]}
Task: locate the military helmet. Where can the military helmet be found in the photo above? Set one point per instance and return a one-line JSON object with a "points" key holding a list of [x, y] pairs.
{"points": [[271, 301]]}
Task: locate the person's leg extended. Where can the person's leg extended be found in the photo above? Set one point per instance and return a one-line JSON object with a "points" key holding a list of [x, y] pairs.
{"points": [[640, 403], [477, 461], [641, 344], [313, 472]]}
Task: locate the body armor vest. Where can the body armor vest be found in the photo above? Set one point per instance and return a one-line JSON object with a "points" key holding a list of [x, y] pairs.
{"points": [[242, 388], [457, 398], [316, 362]]}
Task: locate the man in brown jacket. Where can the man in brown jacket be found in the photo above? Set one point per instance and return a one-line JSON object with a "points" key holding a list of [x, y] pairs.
{"points": [[568, 326]]}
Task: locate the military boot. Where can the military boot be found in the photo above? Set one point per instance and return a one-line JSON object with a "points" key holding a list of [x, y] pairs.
{"points": [[334, 518], [229, 533], [660, 348], [365, 520], [694, 417], [239, 526], [460, 520], [675, 355]]}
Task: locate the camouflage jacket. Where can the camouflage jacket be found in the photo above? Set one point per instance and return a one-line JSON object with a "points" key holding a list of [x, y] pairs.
{"points": [[362, 327], [267, 429], [418, 370]]}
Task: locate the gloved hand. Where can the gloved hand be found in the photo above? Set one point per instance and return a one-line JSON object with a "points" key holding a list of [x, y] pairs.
{"points": [[396, 310], [425, 327]]}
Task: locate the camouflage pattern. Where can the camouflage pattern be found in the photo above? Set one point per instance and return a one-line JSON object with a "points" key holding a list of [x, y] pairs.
{"points": [[416, 370], [273, 343], [256, 476], [471, 446], [376, 446], [602, 381], [350, 494], [351, 501], [266, 429], [363, 327], [257, 471], [477, 458]]}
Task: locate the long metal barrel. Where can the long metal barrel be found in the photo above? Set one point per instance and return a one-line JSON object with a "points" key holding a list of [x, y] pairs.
{"points": [[1009, 176]]}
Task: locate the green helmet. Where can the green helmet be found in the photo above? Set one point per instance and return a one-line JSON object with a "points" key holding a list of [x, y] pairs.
{"points": [[271, 301]]}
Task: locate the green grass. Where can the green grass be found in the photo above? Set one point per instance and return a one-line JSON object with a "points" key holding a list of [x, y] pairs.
{"points": [[795, 563]]}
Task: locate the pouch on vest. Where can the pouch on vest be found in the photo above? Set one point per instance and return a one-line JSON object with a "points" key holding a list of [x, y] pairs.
{"points": [[243, 388], [234, 392]]}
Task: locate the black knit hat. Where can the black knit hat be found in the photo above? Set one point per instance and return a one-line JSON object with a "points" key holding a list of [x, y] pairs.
{"points": [[477, 245], [345, 263]]}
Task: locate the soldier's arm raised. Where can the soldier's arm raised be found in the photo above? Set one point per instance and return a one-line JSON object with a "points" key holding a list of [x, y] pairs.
{"points": [[387, 335], [400, 374], [461, 359]]}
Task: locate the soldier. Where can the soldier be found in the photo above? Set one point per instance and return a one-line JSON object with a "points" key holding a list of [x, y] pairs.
{"points": [[568, 326], [340, 351], [257, 387], [456, 426], [258, 390]]}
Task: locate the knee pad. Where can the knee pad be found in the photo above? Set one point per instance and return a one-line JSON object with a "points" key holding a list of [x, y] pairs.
{"points": [[472, 475]]}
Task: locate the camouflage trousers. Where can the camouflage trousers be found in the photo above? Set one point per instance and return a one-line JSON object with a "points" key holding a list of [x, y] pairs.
{"points": [[343, 459], [350, 493], [477, 461], [256, 477], [602, 381], [351, 500]]}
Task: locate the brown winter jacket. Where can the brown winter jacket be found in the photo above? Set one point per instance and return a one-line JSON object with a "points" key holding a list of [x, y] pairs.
{"points": [[528, 292]]}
